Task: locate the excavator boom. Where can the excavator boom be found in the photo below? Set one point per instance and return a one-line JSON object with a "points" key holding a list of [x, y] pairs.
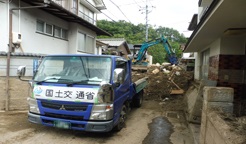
{"points": [[141, 54]]}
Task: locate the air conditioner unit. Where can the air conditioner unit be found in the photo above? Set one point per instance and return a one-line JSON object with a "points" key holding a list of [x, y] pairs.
{"points": [[16, 38]]}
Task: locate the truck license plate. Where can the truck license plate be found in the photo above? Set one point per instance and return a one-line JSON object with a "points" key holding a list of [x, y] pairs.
{"points": [[61, 124]]}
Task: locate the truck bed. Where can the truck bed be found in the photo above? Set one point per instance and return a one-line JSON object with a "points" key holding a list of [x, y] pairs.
{"points": [[141, 84]]}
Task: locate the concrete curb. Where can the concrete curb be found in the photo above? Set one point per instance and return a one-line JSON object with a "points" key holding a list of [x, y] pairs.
{"points": [[195, 131]]}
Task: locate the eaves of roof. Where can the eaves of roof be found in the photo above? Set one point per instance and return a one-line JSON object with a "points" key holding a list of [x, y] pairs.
{"points": [[101, 43], [203, 19]]}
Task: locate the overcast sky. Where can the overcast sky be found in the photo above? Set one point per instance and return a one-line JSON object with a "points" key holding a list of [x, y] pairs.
{"points": [[175, 14]]}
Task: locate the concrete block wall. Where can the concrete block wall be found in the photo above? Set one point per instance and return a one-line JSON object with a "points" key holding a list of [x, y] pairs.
{"points": [[18, 94], [18, 90], [195, 101], [218, 101], [3, 92], [216, 130]]}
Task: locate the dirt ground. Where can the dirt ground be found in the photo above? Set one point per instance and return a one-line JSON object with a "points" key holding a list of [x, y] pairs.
{"points": [[160, 120], [148, 124]]}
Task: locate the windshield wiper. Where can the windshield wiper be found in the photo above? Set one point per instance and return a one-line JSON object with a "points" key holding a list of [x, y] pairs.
{"points": [[77, 82], [52, 78]]}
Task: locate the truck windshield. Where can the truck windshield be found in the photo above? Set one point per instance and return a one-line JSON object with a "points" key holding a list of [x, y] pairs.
{"points": [[74, 70]]}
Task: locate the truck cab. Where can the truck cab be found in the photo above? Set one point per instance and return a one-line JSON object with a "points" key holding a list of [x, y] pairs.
{"points": [[81, 92]]}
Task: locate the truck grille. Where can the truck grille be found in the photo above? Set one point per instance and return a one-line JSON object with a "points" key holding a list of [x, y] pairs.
{"points": [[69, 107], [62, 116]]}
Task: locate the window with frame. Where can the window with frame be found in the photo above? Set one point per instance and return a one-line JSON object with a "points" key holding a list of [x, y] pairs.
{"points": [[90, 44], [51, 30], [43, 27], [48, 29], [57, 32], [87, 14], [81, 42], [205, 64], [40, 26], [85, 43]]}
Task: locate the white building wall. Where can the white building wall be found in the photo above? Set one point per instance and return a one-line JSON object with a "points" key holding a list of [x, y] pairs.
{"points": [[33, 42], [214, 50], [73, 38], [233, 45], [4, 36], [90, 33], [92, 2], [197, 67], [215, 47], [200, 11]]}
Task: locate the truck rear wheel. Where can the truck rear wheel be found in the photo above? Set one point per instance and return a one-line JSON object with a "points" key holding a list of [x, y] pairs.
{"points": [[138, 100], [122, 119]]}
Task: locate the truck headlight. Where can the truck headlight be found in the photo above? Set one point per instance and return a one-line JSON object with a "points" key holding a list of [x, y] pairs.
{"points": [[102, 112], [98, 116], [33, 105]]}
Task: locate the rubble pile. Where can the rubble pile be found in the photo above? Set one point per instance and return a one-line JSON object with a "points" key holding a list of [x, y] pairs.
{"points": [[163, 80]]}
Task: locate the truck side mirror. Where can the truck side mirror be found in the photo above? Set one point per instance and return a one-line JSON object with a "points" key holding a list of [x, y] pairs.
{"points": [[118, 76], [21, 71]]}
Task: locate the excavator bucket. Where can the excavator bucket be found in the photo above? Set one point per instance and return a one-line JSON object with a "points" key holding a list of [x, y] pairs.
{"points": [[173, 59]]}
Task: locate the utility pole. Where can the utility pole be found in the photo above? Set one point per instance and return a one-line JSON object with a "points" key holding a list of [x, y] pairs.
{"points": [[146, 11], [146, 24]]}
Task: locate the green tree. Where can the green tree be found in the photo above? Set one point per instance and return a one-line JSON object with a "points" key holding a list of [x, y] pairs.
{"points": [[135, 34]]}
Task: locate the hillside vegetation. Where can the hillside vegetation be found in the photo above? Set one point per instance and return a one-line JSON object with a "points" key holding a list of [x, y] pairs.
{"points": [[135, 34]]}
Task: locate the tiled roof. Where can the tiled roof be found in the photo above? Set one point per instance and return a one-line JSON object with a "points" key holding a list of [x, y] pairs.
{"points": [[3, 53]]}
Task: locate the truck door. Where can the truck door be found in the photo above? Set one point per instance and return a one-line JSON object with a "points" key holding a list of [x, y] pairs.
{"points": [[122, 91]]}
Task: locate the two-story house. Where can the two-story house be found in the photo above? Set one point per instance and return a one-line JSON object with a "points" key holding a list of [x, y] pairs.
{"points": [[219, 39], [30, 29]]}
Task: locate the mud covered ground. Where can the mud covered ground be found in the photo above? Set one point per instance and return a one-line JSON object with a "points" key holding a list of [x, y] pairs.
{"points": [[160, 86], [146, 125]]}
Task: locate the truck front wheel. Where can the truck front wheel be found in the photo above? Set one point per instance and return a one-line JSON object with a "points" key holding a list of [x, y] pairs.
{"points": [[138, 100], [122, 119]]}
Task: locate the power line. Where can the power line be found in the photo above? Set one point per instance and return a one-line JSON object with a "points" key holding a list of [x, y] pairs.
{"points": [[108, 16], [112, 14], [120, 10], [137, 3], [134, 3]]}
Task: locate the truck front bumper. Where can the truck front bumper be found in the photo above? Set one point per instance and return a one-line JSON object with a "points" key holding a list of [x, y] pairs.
{"points": [[89, 126]]}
